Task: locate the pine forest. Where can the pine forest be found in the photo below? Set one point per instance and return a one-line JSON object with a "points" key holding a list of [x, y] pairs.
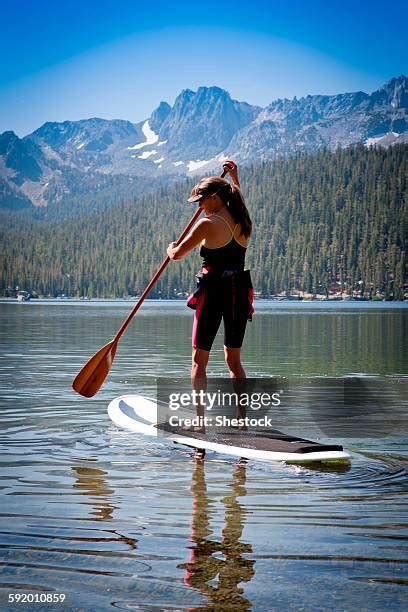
{"points": [[327, 223]]}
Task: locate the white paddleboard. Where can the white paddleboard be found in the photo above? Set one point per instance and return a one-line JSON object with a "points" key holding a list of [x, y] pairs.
{"points": [[139, 414]]}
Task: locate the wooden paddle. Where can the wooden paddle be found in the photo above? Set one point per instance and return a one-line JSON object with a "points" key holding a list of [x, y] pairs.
{"points": [[89, 380]]}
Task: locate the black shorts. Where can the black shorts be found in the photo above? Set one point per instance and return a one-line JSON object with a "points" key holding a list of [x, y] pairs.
{"points": [[227, 298]]}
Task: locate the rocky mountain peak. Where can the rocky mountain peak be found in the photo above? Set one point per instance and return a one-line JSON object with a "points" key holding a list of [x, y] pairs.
{"points": [[7, 140], [202, 123], [394, 93], [159, 115], [200, 129], [23, 160], [398, 90], [212, 92]]}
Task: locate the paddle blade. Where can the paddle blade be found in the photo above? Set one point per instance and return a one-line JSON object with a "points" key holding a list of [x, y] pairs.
{"points": [[90, 379]]}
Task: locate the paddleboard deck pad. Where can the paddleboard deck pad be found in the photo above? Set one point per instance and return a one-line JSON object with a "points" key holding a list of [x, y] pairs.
{"points": [[139, 414]]}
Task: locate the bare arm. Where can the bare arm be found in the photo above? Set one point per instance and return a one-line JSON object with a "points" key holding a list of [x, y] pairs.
{"points": [[232, 170], [197, 234]]}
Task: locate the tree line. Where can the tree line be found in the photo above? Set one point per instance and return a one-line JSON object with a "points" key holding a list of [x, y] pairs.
{"points": [[319, 220]]}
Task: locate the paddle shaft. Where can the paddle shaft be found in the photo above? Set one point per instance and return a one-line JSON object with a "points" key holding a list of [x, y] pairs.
{"points": [[155, 277], [90, 378], [158, 274]]}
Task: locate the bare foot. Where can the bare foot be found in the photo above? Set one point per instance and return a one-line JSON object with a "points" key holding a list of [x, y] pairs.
{"points": [[193, 429], [199, 454]]}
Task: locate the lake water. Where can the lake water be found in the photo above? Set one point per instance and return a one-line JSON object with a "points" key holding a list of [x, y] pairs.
{"points": [[109, 518]]}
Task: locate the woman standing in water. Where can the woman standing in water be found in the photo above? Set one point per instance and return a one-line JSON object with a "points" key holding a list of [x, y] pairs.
{"points": [[224, 287]]}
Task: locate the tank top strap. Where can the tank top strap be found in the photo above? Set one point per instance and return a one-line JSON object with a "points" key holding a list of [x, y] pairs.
{"points": [[226, 223]]}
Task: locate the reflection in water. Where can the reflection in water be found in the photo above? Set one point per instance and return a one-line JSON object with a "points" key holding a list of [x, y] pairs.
{"points": [[216, 568], [91, 481], [338, 537]]}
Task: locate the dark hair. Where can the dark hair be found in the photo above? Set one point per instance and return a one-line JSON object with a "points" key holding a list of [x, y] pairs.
{"points": [[231, 196]]}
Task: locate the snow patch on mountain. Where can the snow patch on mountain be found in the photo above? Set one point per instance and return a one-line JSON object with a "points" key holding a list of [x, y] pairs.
{"points": [[151, 137], [195, 165], [383, 140], [147, 154]]}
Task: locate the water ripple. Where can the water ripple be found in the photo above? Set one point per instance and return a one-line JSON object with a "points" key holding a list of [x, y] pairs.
{"points": [[114, 519]]}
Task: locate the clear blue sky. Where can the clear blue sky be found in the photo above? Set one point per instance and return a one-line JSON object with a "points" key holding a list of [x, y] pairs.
{"points": [[74, 59]]}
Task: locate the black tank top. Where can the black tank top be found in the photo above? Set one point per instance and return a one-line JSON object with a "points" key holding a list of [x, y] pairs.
{"points": [[230, 256]]}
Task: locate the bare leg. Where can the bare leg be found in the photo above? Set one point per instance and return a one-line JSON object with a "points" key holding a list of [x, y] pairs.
{"points": [[198, 374], [233, 361], [198, 369], [237, 373]]}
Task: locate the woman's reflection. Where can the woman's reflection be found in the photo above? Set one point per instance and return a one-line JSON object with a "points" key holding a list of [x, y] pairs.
{"points": [[217, 568]]}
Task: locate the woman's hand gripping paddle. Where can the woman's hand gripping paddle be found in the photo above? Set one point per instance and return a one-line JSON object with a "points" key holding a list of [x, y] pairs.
{"points": [[90, 379]]}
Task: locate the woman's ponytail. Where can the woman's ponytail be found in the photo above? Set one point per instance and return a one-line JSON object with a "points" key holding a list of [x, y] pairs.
{"points": [[239, 211], [232, 197]]}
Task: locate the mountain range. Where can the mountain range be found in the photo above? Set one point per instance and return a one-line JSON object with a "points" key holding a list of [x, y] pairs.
{"points": [[103, 159]]}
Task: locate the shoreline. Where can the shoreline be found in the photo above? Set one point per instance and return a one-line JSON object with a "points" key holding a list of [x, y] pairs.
{"points": [[259, 302]]}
